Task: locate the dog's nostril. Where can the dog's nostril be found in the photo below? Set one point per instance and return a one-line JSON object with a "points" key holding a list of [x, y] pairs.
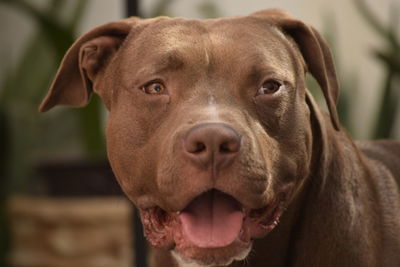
{"points": [[195, 147], [200, 147], [229, 147], [224, 148]]}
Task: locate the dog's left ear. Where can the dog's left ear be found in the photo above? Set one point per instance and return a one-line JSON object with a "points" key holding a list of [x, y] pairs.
{"points": [[83, 62], [315, 52]]}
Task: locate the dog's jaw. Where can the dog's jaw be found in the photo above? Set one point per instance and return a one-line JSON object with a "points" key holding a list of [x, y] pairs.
{"points": [[170, 229]]}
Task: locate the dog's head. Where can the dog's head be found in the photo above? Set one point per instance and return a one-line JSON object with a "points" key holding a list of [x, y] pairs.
{"points": [[209, 128]]}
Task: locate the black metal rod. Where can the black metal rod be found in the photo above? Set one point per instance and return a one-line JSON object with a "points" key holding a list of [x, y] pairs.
{"points": [[140, 242], [132, 8]]}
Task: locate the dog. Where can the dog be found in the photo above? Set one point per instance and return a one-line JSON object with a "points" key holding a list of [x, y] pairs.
{"points": [[214, 136]]}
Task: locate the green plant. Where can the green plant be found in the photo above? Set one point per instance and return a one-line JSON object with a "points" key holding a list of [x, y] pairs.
{"points": [[26, 84], [389, 57], [24, 133]]}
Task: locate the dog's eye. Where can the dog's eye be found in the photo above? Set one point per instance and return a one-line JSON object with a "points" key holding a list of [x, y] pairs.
{"points": [[154, 88], [269, 87]]}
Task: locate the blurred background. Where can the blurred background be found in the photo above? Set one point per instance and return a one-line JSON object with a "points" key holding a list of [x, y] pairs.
{"points": [[59, 203]]}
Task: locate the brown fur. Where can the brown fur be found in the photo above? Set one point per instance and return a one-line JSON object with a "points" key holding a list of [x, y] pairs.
{"points": [[343, 203]]}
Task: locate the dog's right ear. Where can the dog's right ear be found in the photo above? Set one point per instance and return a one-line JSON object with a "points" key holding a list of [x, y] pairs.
{"points": [[82, 63]]}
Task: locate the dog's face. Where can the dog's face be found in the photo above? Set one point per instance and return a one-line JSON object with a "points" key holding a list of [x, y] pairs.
{"points": [[209, 131]]}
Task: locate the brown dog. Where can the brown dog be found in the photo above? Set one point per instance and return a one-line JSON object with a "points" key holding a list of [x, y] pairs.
{"points": [[214, 136]]}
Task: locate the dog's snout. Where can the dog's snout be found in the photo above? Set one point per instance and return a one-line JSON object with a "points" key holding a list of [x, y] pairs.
{"points": [[212, 144]]}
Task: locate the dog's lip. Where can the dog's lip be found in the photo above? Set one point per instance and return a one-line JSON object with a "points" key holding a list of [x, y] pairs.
{"points": [[262, 221], [160, 225], [266, 215], [147, 202], [251, 212]]}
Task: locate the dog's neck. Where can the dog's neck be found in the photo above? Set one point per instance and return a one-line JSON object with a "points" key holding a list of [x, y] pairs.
{"points": [[332, 198]]}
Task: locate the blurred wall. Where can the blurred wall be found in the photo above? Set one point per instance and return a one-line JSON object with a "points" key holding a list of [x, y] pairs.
{"points": [[353, 36]]}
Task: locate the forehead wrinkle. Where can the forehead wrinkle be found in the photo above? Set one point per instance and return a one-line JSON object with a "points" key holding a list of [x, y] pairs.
{"points": [[169, 61], [253, 62], [273, 56], [259, 71], [177, 37], [178, 50], [265, 42]]}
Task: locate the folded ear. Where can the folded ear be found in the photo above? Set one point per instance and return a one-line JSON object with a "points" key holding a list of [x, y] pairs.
{"points": [[315, 52], [82, 63]]}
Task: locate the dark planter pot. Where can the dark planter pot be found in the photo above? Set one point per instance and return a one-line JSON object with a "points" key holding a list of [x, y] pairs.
{"points": [[72, 178], [83, 178]]}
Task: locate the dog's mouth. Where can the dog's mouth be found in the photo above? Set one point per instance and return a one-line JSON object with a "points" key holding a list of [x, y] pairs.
{"points": [[214, 228]]}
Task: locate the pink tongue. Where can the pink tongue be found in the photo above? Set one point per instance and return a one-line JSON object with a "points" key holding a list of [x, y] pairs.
{"points": [[212, 220]]}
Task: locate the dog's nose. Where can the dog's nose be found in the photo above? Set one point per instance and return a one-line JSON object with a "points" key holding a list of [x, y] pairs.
{"points": [[212, 145]]}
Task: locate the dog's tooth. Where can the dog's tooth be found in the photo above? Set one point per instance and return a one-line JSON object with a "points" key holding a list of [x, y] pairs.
{"points": [[178, 212]]}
